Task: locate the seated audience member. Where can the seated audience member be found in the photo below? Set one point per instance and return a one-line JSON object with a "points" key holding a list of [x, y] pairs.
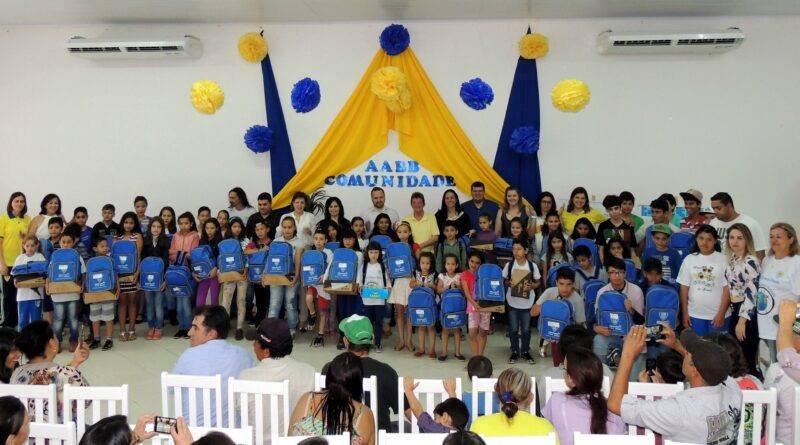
{"points": [[451, 414], [615, 226], [15, 422], [668, 369], [182, 436], [337, 408], [563, 290], [480, 367], [513, 390], [463, 438], [114, 430], [670, 258], [210, 354], [9, 354], [653, 274], [693, 203], [586, 269], [707, 412], [784, 375], [661, 215], [583, 408], [273, 345]]}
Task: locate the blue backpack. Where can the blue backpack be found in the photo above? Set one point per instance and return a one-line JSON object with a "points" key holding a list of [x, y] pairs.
{"points": [[551, 274], [421, 309], [631, 273], [332, 245], [100, 275], [589, 243], [503, 247], [489, 284], [590, 289], [399, 260], [382, 240], [454, 309], [231, 258], [203, 261], [256, 264], [555, 316], [313, 265], [125, 256], [179, 281], [682, 242], [280, 260], [612, 314], [344, 266], [661, 305], [46, 246], [65, 266], [151, 273]]}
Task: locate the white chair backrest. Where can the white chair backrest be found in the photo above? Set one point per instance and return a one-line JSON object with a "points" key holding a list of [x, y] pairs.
{"points": [[37, 397], [241, 393], [427, 393], [61, 434], [761, 401], [239, 436], [672, 442], [486, 386], [209, 387], [796, 415], [552, 385], [99, 397], [651, 391], [385, 438], [549, 439], [369, 386], [339, 439], [616, 439]]}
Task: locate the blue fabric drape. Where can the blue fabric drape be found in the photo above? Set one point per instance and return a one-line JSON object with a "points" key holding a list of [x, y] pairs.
{"points": [[281, 159], [523, 110]]}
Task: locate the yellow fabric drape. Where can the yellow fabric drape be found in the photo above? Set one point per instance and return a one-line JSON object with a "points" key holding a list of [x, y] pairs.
{"points": [[429, 134]]}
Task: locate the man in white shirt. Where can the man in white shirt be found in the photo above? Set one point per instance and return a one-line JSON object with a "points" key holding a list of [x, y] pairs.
{"points": [[272, 343], [726, 216], [708, 412], [239, 205], [378, 206]]}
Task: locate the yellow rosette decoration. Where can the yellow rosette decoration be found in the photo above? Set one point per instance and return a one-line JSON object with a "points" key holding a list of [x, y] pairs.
{"points": [[570, 95], [533, 46], [252, 47], [390, 85], [207, 96]]}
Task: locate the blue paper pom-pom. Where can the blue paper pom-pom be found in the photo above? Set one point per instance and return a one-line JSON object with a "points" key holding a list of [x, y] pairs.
{"points": [[525, 140], [305, 95], [258, 138], [395, 39], [477, 94]]}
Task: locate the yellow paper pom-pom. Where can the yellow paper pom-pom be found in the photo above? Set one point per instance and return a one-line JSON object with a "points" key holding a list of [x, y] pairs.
{"points": [[252, 47], [390, 85], [207, 96], [533, 46], [570, 95]]}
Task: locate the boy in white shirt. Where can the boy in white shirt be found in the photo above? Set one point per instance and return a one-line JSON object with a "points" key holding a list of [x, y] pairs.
{"points": [[29, 300], [519, 307]]}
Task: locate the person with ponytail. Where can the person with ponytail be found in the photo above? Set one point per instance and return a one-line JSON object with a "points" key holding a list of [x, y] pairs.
{"points": [[337, 408], [584, 407], [14, 421], [513, 390]]}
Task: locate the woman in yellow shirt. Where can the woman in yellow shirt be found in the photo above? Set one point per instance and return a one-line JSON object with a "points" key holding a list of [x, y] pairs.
{"points": [[513, 390], [578, 207], [13, 228]]}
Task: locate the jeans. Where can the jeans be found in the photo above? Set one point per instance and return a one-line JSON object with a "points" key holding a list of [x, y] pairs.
{"points": [[9, 304], [602, 344], [519, 319], [240, 287], [284, 296], [29, 311], [375, 315], [702, 327], [69, 311], [154, 308], [184, 309]]}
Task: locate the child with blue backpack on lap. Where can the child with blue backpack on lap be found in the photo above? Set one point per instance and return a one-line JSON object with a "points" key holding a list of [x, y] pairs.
{"points": [[317, 292], [236, 231], [563, 290], [155, 245], [449, 279], [208, 287], [425, 276], [520, 297], [450, 245], [29, 300], [372, 273], [102, 311]]}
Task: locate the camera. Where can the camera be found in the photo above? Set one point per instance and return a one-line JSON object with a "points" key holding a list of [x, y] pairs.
{"points": [[164, 425], [650, 366], [654, 332]]}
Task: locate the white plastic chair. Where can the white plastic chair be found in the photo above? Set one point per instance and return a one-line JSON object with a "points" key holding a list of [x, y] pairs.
{"points": [[98, 396], [486, 386], [616, 439], [385, 438], [37, 395], [760, 399], [549, 439], [427, 393], [179, 385], [651, 391], [246, 391], [239, 436], [672, 442], [552, 385], [369, 386], [53, 434], [339, 439]]}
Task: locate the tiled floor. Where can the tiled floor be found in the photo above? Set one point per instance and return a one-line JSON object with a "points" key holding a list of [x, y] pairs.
{"points": [[140, 363]]}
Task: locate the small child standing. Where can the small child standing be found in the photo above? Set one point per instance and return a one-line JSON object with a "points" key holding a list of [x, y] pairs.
{"points": [[373, 274], [209, 286], [450, 244], [450, 415], [425, 276], [155, 245], [102, 311], [29, 300], [317, 292], [519, 305], [127, 309], [401, 287], [84, 245], [106, 227], [486, 234], [180, 250], [236, 230], [450, 279], [66, 304], [477, 317]]}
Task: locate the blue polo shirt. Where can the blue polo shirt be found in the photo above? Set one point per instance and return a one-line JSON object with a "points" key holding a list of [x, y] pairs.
{"points": [[474, 212]]}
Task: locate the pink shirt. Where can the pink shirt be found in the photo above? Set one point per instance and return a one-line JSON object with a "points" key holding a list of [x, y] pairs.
{"points": [[468, 277], [183, 243]]}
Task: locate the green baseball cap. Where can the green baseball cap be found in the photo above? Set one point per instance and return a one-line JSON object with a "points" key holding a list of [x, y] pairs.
{"points": [[661, 228], [357, 329]]}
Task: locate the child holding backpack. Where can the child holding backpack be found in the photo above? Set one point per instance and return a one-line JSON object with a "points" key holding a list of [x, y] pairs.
{"points": [[102, 311], [345, 305], [373, 274], [29, 300], [263, 237], [563, 290], [180, 250], [128, 289], [209, 287], [519, 306], [236, 231], [155, 245], [425, 276], [400, 290], [66, 304], [477, 318], [449, 279], [316, 291], [285, 294]]}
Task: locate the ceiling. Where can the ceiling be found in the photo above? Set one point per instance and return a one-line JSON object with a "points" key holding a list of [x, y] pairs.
{"points": [[34, 12]]}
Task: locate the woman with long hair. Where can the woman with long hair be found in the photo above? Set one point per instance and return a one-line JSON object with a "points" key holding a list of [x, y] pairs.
{"points": [[451, 210], [513, 207], [15, 423], [578, 207], [9, 354], [742, 274]]}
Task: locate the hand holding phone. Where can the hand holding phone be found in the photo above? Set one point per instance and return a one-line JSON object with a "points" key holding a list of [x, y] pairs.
{"points": [[164, 425], [654, 332]]}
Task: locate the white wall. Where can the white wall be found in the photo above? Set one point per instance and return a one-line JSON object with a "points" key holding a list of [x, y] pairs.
{"points": [[97, 132]]}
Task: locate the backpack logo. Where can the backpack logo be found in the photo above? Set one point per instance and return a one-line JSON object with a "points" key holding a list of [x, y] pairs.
{"points": [[123, 259], [494, 285], [614, 319], [150, 278], [98, 277], [342, 266], [276, 261], [63, 268], [229, 260], [663, 315]]}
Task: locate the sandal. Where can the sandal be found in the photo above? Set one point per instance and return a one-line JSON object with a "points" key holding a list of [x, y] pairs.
{"points": [[432, 355], [399, 347], [131, 335], [419, 354], [123, 336]]}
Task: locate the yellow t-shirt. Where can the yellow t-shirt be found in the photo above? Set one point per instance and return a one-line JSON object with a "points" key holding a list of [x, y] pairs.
{"points": [[522, 424], [568, 219], [424, 229], [13, 231]]}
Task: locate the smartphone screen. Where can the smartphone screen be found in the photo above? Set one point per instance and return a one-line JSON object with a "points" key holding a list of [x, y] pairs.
{"points": [[163, 425]]}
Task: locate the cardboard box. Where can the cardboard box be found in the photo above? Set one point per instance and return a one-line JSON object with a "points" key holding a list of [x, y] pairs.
{"points": [[340, 288], [518, 279], [64, 287], [31, 283], [99, 297], [227, 277], [493, 306], [277, 280], [485, 246]]}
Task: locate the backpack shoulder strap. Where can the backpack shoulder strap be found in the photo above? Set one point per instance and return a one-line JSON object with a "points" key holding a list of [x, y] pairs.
{"points": [[364, 271], [383, 272]]}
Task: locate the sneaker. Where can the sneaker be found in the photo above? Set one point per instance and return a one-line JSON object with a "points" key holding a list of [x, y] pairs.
{"points": [[460, 358], [108, 345], [179, 334], [94, 344], [513, 358], [318, 342], [527, 357], [442, 358], [312, 321], [378, 348], [186, 334]]}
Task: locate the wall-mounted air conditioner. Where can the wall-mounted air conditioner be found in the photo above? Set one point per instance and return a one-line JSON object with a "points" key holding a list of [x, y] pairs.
{"points": [[710, 42], [187, 47]]}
